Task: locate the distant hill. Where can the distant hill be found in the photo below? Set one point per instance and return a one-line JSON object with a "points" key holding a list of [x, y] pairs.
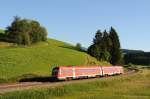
{"points": [[127, 51], [17, 62], [137, 57]]}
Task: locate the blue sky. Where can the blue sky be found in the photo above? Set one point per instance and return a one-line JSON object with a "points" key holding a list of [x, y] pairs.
{"points": [[76, 21]]}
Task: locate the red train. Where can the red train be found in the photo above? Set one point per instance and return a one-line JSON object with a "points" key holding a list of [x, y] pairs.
{"points": [[76, 72]]}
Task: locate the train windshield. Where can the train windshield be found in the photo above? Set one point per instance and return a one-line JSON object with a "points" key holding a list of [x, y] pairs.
{"points": [[55, 71]]}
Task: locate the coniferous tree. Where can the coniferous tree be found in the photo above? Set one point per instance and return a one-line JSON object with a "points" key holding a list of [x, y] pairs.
{"points": [[107, 41], [106, 46], [98, 49], [95, 49], [115, 47], [98, 38]]}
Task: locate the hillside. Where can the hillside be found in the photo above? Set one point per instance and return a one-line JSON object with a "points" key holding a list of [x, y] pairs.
{"points": [[17, 62], [1, 31]]}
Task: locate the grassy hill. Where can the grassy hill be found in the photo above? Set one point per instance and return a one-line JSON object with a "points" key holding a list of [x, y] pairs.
{"points": [[1, 31], [17, 62]]}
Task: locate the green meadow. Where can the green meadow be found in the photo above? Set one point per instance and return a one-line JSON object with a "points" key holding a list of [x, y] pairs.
{"points": [[18, 62]]}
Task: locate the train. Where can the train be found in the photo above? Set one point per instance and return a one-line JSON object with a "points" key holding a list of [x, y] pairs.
{"points": [[79, 72]]}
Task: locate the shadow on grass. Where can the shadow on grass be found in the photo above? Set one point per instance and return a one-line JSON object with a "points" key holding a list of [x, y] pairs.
{"points": [[38, 79], [35, 78]]}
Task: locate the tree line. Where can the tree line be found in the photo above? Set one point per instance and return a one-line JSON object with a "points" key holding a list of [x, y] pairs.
{"points": [[106, 47], [142, 58], [24, 32]]}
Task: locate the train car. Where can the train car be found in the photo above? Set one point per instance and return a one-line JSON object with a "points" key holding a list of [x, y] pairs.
{"points": [[77, 72], [118, 70], [86, 72], [108, 70], [112, 70], [62, 72]]}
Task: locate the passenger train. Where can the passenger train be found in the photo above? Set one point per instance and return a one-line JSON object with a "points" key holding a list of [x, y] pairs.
{"points": [[78, 72]]}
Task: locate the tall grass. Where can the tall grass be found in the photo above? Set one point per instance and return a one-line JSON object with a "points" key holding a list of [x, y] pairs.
{"points": [[135, 86]]}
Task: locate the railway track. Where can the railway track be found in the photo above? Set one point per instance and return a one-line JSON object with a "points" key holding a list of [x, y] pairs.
{"points": [[28, 85]]}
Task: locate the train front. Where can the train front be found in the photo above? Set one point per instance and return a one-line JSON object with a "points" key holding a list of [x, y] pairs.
{"points": [[55, 73]]}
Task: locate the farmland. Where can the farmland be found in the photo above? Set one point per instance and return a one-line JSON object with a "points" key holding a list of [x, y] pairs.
{"points": [[18, 62]]}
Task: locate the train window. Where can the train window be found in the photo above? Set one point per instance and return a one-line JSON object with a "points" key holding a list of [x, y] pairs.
{"points": [[66, 71], [87, 70]]}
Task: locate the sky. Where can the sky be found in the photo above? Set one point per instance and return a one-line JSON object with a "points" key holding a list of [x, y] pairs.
{"points": [[76, 21]]}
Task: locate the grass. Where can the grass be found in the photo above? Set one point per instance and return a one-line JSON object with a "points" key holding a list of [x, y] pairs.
{"points": [[2, 31], [135, 86], [18, 62]]}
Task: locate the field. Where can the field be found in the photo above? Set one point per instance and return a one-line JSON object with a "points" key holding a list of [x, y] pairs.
{"points": [[133, 86], [18, 62]]}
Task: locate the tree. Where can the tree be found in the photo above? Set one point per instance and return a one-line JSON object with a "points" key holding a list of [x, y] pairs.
{"points": [[98, 37], [106, 47], [79, 46], [105, 55], [38, 32], [26, 32], [99, 47], [107, 41], [95, 49], [140, 58], [115, 47]]}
